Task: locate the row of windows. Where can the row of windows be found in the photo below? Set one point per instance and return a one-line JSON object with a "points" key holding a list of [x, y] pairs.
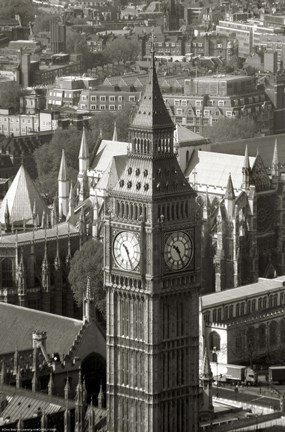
{"points": [[220, 103], [102, 107], [174, 211], [64, 94], [130, 211], [17, 120], [131, 318], [262, 335], [106, 98], [131, 415], [174, 416], [243, 308], [172, 320], [173, 365], [132, 368]]}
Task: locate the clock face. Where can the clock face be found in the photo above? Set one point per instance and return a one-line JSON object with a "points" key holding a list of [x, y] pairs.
{"points": [[127, 250], [178, 250]]}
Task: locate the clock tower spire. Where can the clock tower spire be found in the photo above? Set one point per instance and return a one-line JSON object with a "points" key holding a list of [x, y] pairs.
{"points": [[152, 277]]}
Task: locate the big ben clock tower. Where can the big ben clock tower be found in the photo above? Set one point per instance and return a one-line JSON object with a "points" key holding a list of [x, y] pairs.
{"points": [[151, 271]]}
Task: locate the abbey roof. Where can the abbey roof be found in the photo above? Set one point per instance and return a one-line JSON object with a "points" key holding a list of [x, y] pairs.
{"points": [[23, 199]]}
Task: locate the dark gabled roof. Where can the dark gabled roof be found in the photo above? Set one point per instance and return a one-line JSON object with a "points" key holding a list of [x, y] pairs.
{"points": [[17, 325]]}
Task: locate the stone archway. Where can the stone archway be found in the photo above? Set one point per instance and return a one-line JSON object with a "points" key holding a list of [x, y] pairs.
{"points": [[94, 372]]}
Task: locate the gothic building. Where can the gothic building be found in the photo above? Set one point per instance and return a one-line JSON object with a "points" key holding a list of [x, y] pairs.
{"points": [[242, 207], [152, 266], [35, 251], [41, 351]]}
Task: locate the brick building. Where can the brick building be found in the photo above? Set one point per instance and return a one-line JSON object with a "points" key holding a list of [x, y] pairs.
{"points": [[209, 98]]}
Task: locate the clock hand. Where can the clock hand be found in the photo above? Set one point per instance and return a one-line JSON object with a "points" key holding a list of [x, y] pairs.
{"points": [[128, 255], [176, 248]]}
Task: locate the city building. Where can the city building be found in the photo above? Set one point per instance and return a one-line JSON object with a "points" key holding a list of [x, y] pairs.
{"points": [[36, 251], [44, 344], [276, 43], [212, 45], [207, 99], [168, 44], [33, 101], [152, 241], [118, 92], [246, 325], [66, 91], [248, 34], [24, 124], [242, 217], [33, 73]]}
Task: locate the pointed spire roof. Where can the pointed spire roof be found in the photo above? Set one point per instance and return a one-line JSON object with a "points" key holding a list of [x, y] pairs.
{"points": [[230, 194], [206, 370], [45, 259], [152, 112], [62, 175], [21, 198], [84, 151], [246, 163], [115, 133], [7, 213], [275, 161], [67, 389]]}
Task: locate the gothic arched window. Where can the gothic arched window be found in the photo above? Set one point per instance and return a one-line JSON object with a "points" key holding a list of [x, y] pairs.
{"points": [[7, 273], [282, 330], [262, 336], [250, 337], [273, 333], [214, 341]]}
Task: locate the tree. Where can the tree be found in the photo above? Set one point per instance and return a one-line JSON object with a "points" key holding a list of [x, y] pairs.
{"points": [[88, 261], [76, 43], [24, 8], [10, 94], [122, 49], [227, 129], [106, 120], [48, 156]]}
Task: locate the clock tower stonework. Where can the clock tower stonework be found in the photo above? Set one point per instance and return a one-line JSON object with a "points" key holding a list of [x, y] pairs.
{"points": [[152, 279]]}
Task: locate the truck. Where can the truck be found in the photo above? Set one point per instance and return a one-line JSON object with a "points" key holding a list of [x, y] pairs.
{"points": [[276, 374], [233, 373]]}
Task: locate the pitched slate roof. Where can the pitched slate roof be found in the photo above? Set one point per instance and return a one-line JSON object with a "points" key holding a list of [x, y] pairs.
{"points": [[22, 197], [263, 286], [106, 151], [263, 145], [208, 169], [64, 229], [18, 323], [184, 135], [24, 407], [113, 172]]}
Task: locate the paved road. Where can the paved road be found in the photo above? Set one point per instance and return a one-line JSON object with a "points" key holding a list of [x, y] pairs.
{"points": [[243, 396]]}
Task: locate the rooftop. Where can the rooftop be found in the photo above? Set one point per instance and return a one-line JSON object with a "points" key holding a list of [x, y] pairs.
{"points": [[201, 173], [264, 145], [263, 286], [223, 77], [61, 230], [18, 324], [106, 151]]}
